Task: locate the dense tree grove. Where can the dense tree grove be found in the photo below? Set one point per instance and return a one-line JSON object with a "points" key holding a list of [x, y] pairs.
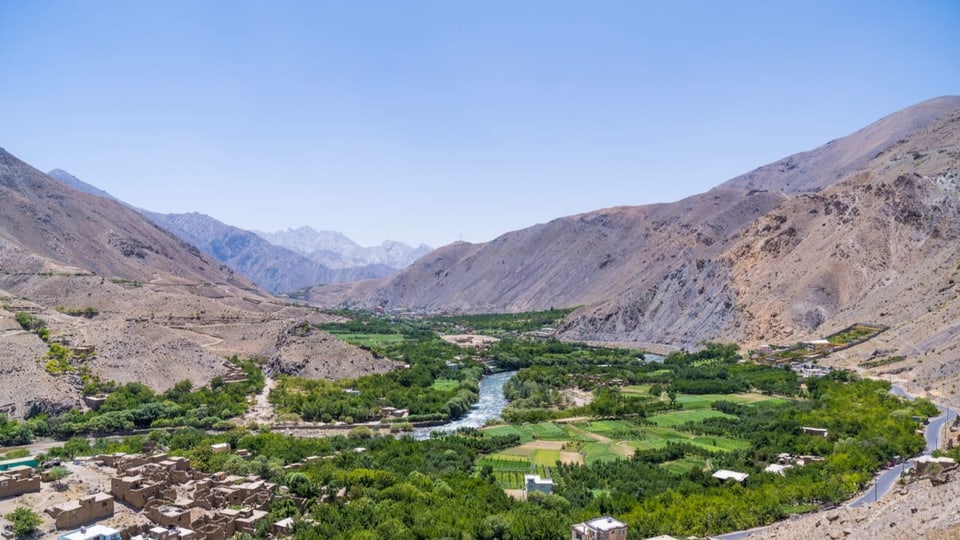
{"points": [[414, 389]]}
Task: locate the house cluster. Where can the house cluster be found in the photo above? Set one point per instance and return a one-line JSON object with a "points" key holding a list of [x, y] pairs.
{"points": [[179, 502], [173, 495], [809, 369], [801, 357], [787, 461]]}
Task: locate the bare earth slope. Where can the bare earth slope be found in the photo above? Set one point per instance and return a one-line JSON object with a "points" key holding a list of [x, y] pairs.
{"points": [[101, 235], [165, 311]]}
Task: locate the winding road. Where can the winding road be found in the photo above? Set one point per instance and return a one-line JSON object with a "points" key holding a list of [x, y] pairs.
{"points": [[886, 479]]}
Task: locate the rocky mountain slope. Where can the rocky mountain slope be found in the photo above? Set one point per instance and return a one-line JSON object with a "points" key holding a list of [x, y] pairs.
{"points": [[162, 310], [862, 229], [824, 166], [335, 250]]}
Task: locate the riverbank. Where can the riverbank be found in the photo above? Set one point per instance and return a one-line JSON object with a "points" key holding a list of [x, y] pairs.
{"points": [[489, 406]]}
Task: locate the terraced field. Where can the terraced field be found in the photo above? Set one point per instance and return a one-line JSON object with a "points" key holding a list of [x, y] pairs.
{"points": [[589, 441]]}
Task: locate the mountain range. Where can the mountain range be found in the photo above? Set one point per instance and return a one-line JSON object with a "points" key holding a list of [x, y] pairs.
{"points": [[334, 250], [282, 261], [861, 229]]}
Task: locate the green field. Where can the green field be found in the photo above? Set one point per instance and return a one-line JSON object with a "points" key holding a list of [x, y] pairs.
{"points": [[595, 451], [642, 389], [678, 418], [509, 429], [509, 469], [504, 462], [608, 440], [703, 401], [719, 444], [547, 431], [546, 458], [445, 385]]}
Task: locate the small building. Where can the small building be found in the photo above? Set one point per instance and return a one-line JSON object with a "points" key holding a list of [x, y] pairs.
{"points": [[533, 482], [135, 489], [817, 345], [818, 432], [95, 401], [806, 460], [220, 448], [777, 468], [351, 391], [284, 527], [724, 474], [19, 480], [933, 465], [171, 516], [601, 528], [394, 412], [94, 532], [89, 509]]}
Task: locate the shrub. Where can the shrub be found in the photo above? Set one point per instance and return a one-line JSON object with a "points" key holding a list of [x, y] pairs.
{"points": [[25, 521]]}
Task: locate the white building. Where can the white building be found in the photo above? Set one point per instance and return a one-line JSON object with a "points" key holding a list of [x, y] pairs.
{"points": [[533, 482], [95, 532], [601, 528], [724, 474]]}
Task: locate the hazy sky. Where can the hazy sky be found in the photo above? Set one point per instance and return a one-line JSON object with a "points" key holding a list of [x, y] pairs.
{"points": [[422, 121]]}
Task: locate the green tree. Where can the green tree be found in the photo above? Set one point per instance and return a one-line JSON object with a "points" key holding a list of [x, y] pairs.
{"points": [[25, 521], [58, 474]]}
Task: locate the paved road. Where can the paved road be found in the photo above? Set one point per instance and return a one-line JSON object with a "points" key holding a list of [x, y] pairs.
{"points": [[887, 478]]}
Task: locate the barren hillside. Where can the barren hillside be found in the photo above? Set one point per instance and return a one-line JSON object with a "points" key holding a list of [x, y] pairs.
{"points": [[162, 311]]}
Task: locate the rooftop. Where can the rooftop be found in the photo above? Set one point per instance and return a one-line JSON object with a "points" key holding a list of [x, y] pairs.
{"points": [[605, 523], [90, 533], [724, 474]]}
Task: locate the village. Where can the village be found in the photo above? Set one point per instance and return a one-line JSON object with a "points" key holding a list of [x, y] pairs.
{"points": [[156, 496], [160, 497]]}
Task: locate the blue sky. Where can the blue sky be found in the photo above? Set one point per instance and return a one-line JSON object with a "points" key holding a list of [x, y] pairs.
{"points": [[425, 121]]}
